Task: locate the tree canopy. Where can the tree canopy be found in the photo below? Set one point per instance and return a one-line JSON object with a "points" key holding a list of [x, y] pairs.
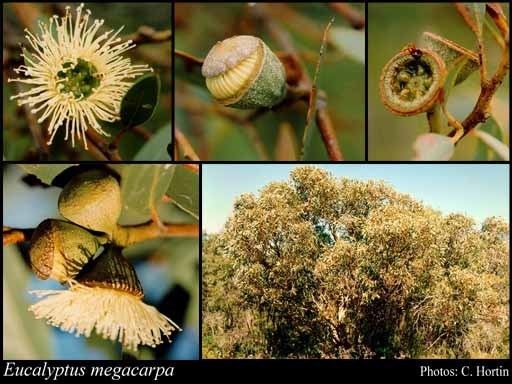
{"points": [[324, 267]]}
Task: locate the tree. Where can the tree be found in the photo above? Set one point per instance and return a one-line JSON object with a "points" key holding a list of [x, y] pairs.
{"points": [[346, 268]]}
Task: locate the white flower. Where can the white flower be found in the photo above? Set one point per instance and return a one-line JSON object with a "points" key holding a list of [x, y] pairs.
{"points": [[77, 78], [116, 315]]}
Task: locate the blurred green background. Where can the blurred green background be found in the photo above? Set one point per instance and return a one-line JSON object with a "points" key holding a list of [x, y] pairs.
{"points": [[214, 137], [391, 26], [18, 141], [168, 268]]}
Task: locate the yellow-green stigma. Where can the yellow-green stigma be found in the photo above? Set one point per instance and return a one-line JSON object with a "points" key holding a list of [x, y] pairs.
{"points": [[78, 79]]}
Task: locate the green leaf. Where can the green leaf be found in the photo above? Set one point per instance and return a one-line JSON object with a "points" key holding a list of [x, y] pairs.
{"points": [[492, 142], [139, 103], [24, 336], [184, 190], [142, 188], [483, 152], [46, 173], [432, 146], [172, 214], [452, 76], [477, 12], [349, 41], [155, 148], [183, 256]]}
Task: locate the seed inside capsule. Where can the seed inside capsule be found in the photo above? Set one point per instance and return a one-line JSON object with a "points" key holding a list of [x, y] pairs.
{"points": [[413, 80]]}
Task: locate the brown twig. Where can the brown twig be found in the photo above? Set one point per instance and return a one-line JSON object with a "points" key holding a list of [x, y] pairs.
{"points": [[27, 13], [103, 146], [37, 134], [125, 236], [142, 132], [15, 236], [186, 147], [351, 14], [193, 167], [480, 112], [148, 35], [324, 122], [95, 152], [304, 85], [189, 60]]}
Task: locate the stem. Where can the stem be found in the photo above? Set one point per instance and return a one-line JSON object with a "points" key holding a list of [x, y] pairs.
{"points": [[352, 15], [14, 236], [324, 122], [186, 147], [435, 119], [125, 236], [480, 112], [145, 35]]}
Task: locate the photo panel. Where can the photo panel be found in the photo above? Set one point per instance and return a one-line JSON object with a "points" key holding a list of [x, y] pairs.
{"points": [[356, 261], [429, 98], [270, 81], [104, 265], [87, 82]]}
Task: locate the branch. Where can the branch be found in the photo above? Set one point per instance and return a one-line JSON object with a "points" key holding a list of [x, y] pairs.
{"points": [[324, 123], [125, 236], [303, 90], [148, 35], [37, 133], [189, 60], [14, 236], [186, 147], [102, 146], [193, 167], [480, 112], [356, 19], [27, 13]]}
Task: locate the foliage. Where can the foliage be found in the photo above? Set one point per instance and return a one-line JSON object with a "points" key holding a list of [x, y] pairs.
{"points": [[339, 268], [166, 266]]}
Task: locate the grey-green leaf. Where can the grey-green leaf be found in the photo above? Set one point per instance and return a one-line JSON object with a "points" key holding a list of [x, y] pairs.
{"points": [[47, 172], [452, 76], [184, 190], [477, 11], [142, 188], [24, 336], [492, 142], [432, 146], [155, 148], [349, 41], [139, 103], [483, 151]]}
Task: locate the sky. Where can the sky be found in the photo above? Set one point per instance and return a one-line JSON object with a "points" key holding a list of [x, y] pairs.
{"points": [[477, 190]]}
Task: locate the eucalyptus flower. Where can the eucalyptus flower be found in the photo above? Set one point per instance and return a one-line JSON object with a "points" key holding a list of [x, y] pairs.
{"points": [[76, 77]]}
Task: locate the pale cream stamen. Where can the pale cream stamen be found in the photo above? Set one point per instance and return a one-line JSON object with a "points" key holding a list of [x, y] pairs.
{"points": [[115, 315], [75, 40]]}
